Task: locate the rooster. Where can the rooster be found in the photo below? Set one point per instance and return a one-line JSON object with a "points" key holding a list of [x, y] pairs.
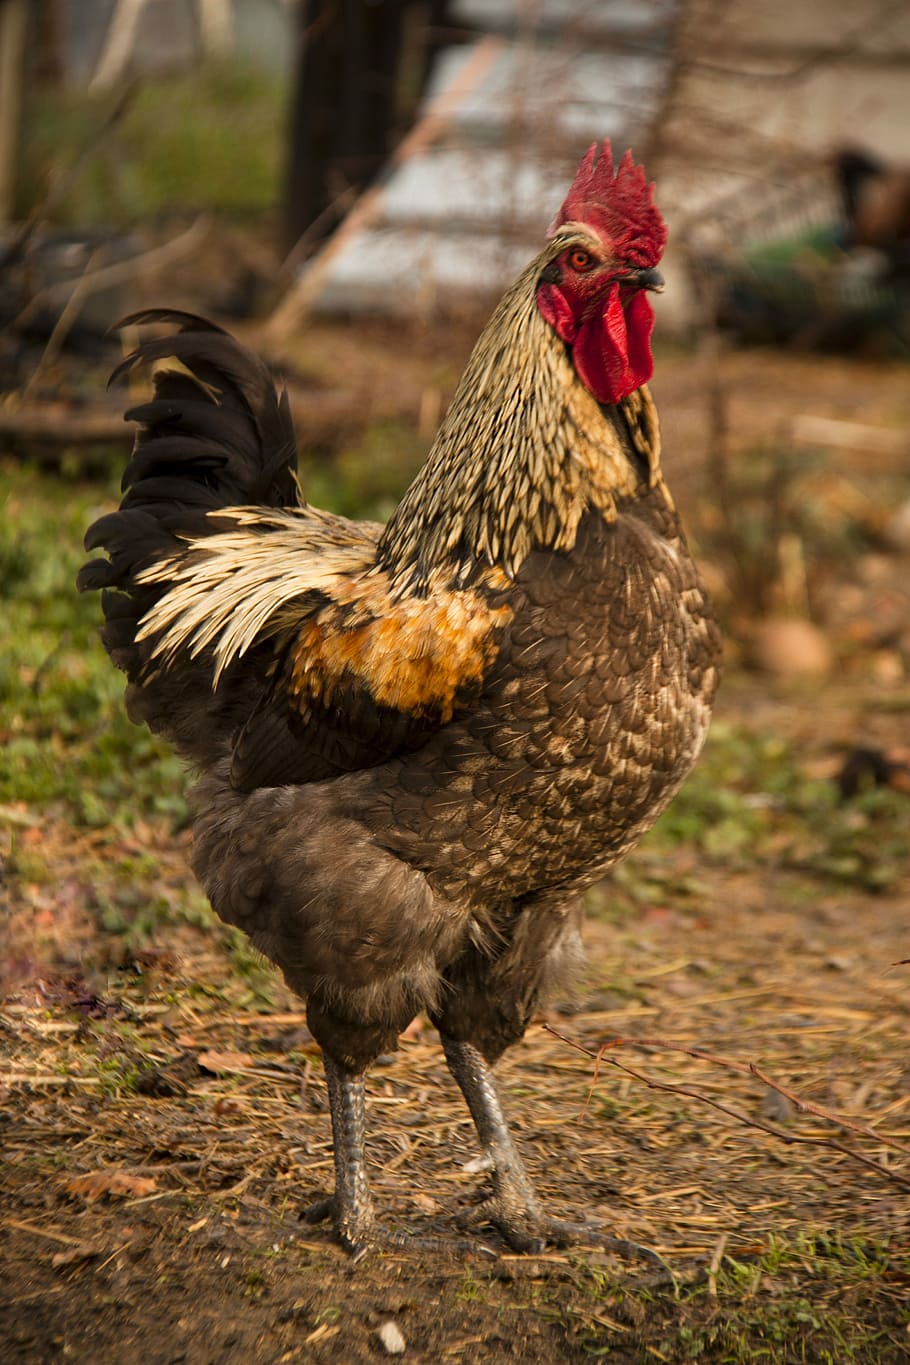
{"points": [[418, 743], [876, 204]]}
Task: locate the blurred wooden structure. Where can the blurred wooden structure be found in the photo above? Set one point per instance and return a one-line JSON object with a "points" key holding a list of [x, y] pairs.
{"points": [[214, 19], [13, 29], [462, 200], [359, 70]]}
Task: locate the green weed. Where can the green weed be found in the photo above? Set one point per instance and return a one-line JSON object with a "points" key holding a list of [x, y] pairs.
{"points": [[66, 737], [749, 803], [817, 1298]]}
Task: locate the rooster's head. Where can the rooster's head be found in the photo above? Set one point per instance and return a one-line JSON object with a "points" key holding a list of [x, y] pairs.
{"points": [[606, 242]]}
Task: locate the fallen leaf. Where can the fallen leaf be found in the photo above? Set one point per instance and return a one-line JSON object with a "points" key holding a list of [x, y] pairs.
{"points": [[120, 1183], [425, 1202], [169, 1078], [223, 1106], [226, 1061]]}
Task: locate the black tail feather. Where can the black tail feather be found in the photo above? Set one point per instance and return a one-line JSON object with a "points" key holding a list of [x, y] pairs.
{"points": [[216, 434], [229, 396]]}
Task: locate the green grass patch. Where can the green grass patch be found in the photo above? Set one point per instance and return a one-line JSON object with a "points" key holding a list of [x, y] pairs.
{"points": [[65, 735], [815, 1300], [208, 138], [750, 803]]}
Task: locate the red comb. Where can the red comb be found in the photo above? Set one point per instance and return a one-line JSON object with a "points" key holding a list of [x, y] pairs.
{"points": [[619, 206]]}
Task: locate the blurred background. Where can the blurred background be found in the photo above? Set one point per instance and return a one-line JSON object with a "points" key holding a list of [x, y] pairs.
{"points": [[349, 184]]}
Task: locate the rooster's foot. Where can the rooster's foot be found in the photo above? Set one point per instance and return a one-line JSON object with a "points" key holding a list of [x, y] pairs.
{"points": [[358, 1232], [350, 1208], [531, 1231], [514, 1208], [355, 1228]]}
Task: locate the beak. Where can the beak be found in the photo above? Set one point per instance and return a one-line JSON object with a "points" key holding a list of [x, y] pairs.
{"points": [[648, 279]]}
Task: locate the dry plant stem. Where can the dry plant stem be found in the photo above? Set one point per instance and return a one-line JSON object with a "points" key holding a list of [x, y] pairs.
{"points": [[807, 1107], [514, 1208], [63, 182], [745, 1069], [118, 44], [63, 325], [700, 1054], [848, 45], [792, 1139], [13, 39], [714, 1267]]}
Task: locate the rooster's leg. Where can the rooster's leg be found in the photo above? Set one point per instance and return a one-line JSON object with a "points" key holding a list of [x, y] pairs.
{"points": [[351, 1206], [514, 1208]]}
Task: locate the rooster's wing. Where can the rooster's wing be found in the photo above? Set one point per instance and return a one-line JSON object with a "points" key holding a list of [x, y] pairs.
{"points": [[352, 671]]}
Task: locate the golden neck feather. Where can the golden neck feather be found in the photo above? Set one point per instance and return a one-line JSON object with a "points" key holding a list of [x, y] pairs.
{"points": [[522, 453]]}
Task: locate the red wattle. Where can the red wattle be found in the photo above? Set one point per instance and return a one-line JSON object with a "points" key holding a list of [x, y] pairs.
{"points": [[612, 351], [640, 325]]}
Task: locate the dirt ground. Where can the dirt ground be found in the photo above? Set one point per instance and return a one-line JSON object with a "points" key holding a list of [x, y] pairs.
{"points": [[163, 1120], [164, 1225]]}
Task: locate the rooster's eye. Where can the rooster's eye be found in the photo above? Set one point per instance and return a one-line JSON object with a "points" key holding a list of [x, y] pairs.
{"points": [[581, 260]]}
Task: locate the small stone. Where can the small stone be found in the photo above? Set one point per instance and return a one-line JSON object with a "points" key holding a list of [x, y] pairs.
{"points": [[887, 667], [391, 1339], [776, 1107]]}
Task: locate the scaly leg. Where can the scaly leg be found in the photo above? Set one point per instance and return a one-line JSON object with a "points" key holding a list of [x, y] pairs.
{"points": [[514, 1208], [351, 1206]]}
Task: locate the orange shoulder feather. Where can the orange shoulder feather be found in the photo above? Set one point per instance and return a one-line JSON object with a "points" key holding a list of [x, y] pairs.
{"points": [[414, 655]]}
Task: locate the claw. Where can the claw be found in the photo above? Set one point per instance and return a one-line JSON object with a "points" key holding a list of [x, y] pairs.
{"points": [[531, 1232], [318, 1212]]}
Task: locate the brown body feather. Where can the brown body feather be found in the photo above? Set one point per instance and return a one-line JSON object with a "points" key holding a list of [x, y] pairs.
{"points": [[429, 868]]}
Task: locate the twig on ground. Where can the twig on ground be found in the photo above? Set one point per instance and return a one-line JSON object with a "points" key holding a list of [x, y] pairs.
{"points": [[792, 1139], [716, 1258]]}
